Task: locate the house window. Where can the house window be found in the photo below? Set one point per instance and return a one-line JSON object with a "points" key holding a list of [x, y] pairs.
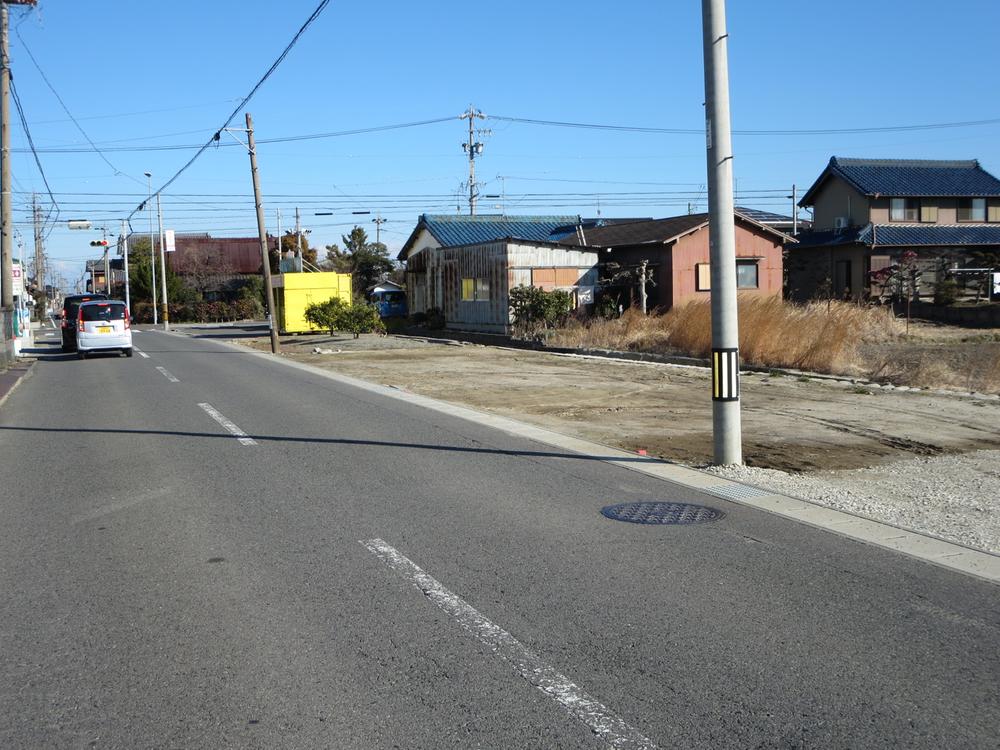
{"points": [[928, 213], [904, 209], [703, 277], [475, 290], [972, 209], [746, 274]]}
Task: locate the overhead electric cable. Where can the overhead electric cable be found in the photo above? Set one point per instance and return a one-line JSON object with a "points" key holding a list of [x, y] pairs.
{"points": [[701, 131], [69, 114], [218, 133], [38, 162]]}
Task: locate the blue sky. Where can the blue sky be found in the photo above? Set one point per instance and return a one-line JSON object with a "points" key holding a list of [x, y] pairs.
{"points": [[141, 75]]}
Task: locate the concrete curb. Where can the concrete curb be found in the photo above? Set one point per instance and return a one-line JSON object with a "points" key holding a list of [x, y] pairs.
{"points": [[945, 554]]}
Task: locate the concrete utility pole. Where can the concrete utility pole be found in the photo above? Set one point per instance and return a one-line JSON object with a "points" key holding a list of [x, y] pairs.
{"points": [[107, 267], [152, 249], [163, 268], [6, 215], [124, 248], [795, 211], [298, 236], [473, 149], [378, 221], [726, 428], [262, 233], [36, 212]]}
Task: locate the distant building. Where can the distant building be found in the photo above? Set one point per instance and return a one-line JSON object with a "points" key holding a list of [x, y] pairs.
{"points": [[868, 212]]}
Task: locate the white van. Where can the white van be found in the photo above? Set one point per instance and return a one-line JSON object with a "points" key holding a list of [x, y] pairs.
{"points": [[102, 326]]}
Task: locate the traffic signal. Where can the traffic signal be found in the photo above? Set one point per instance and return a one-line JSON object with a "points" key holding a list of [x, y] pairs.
{"points": [[98, 243]]}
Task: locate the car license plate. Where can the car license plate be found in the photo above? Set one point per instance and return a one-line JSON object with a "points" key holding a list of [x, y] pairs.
{"points": [[104, 329]]}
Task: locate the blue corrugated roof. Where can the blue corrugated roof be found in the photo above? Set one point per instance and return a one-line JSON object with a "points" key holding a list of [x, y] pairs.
{"points": [[906, 235], [451, 230], [910, 178]]}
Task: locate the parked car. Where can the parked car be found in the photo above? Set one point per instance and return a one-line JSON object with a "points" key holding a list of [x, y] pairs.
{"points": [[71, 306], [390, 303], [103, 326]]}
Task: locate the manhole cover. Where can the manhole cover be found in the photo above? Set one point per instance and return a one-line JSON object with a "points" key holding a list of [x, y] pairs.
{"points": [[678, 514]]}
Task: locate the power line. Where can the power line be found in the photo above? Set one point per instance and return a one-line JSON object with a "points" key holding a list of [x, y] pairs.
{"points": [[701, 131], [34, 152], [218, 133]]}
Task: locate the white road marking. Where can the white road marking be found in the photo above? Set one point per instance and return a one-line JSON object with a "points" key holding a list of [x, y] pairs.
{"points": [[236, 431], [140, 353], [601, 721], [167, 375]]}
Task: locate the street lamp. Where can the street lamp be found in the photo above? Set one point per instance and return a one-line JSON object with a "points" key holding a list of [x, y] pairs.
{"points": [[152, 255]]}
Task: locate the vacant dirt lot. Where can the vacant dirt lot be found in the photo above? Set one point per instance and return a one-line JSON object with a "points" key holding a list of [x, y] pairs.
{"points": [[792, 423], [920, 459]]}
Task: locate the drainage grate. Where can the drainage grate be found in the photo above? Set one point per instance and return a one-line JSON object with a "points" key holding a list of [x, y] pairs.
{"points": [[734, 491], [678, 514]]}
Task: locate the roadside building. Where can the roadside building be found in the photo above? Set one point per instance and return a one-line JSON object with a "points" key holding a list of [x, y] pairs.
{"points": [[943, 217], [676, 253]]}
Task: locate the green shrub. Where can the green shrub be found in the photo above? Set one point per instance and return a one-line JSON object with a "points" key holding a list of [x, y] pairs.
{"points": [[534, 310], [337, 315], [946, 291]]}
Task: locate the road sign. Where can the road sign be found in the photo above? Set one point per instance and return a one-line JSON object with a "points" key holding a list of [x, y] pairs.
{"points": [[79, 224], [169, 245]]}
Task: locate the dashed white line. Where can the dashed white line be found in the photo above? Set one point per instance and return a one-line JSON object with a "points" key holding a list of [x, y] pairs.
{"points": [[167, 375], [236, 431], [140, 353], [601, 721]]}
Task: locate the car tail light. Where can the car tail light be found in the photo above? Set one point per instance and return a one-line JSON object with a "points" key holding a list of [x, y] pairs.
{"points": [[128, 321], [62, 319], [79, 321]]}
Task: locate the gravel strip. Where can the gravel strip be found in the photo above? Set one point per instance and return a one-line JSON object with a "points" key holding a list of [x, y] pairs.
{"points": [[953, 497]]}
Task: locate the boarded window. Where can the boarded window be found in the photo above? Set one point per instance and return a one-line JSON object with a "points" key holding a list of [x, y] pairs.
{"points": [[928, 213], [567, 277], [703, 277], [544, 278]]}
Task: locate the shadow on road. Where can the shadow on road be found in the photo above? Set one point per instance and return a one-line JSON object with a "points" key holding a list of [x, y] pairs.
{"points": [[340, 441]]}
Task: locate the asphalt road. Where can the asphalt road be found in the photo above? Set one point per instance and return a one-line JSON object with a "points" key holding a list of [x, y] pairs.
{"points": [[203, 548]]}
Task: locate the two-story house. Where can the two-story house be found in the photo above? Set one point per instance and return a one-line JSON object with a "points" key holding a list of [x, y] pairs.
{"points": [[868, 212]]}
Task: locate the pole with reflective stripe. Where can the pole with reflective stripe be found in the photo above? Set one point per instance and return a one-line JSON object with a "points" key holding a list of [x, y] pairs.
{"points": [[726, 427]]}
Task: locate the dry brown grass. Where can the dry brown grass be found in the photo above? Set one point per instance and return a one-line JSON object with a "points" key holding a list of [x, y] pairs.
{"points": [[773, 333]]}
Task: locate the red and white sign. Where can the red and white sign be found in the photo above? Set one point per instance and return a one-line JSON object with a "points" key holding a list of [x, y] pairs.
{"points": [[169, 245], [18, 286]]}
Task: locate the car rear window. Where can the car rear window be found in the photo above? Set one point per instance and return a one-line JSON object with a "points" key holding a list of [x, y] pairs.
{"points": [[72, 304], [103, 311]]}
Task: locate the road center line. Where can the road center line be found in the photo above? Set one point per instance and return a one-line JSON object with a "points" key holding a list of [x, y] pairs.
{"points": [[167, 375], [236, 431], [140, 353], [601, 721]]}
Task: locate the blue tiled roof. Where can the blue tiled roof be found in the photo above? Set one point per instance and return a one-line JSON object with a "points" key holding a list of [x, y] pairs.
{"points": [[914, 234], [452, 230], [906, 235], [910, 178], [764, 217]]}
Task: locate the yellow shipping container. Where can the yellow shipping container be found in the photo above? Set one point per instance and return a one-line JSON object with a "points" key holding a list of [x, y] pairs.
{"points": [[293, 292]]}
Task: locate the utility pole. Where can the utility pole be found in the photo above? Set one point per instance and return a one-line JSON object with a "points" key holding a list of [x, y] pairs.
{"points": [[152, 251], [378, 221], [123, 244], [795, 211], [298, 236], [6, 217], [163, 268], [107, 266], [272, 321], [473, 149], [36, 212], [726, 428], [277, 215]]}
